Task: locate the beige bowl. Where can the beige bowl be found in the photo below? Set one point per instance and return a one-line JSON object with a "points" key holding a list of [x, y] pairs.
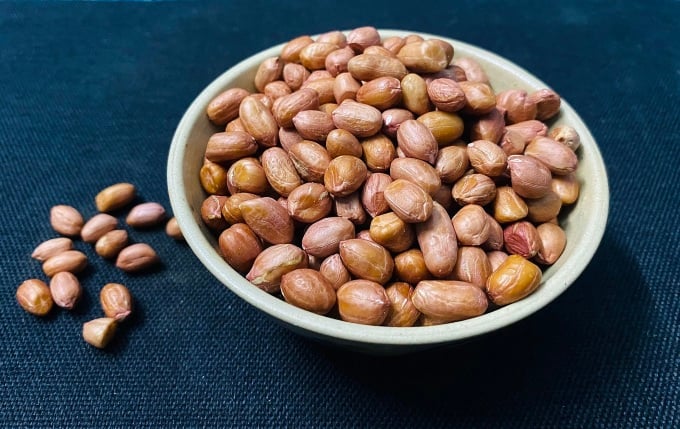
{"points": [[584, 223]]}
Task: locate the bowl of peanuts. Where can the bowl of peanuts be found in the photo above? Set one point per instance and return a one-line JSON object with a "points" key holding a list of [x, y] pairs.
{"points": [[387, 191]]}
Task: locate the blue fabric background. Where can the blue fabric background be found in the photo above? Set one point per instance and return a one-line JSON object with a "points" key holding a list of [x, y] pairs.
{"points": [[90, 94]]}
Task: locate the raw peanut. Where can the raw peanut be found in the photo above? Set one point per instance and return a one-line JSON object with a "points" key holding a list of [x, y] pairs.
{"points": [[319, 75], [446, 94], [547, 103], [73, 261], [328, 108], [224, 107], [372, 196], [495, 240], [172, 230], [335, 37], [437, 241], [280, 171], [553, 241], [402, 311], [480, 98], [448, 49], [410, 267], [308, 289], [246, 175], [288, 137], [521, 238], [230, 210], [258, 121], [512, 143], [496, 258], [557, 157], [145, 215], [379, 50], [342, 142], [268, 219], [359, 119], [473, 70], [451, 71], [363, 301], [97, 226], [508, 206], [378, 152], [392, 119], [345, 87], [408, 201], [288, 106], [276, 90], [428, 56], [323, 237], [362, 37], [235, 125], [115, 197], [272, 263], [443, 196], [213, 178], [51, 247], [336, 61], [116, 301], [381, 93], [566, 135], [268, 71], [311, 160], [99, 332], [529, 129], [66, 220], [513, 280], [110, 244], [309, 202], [391, 232], [33, 295], [449, 300], [344, 175], [474, 189], [415, 94], [334, 271], [229, 146], [451, 163], [530, 178], [487, 157], [545, 208], [350, 208], [393, 44], [323, 86], [291, 50], [137, 257], [471, 224], [211, 212], [313, 56], [417, 141], [490, 126], [567, 187], [417, 171], [367, 67], [367, 260], [445, 127], [239, 246], [472, 266], [516, 105], [294, 75], [313, 124]]}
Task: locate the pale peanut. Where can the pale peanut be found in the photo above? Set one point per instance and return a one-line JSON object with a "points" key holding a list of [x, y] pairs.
{"points": [[51, 247], [556, 156], [553, 242], [73, 261], [438, 242], [66, 220], [417, 171], [272, 263], [428, 56], [472, 266], [258, 121], [408, 201], [308, 289], [116, 301], [359, 119], [449, 300], [137, 257], [381, 93], [65, 289], [99, 332], [530, 178], [446, 94], [370, 66], [323, 237], [372, 196], [392, 119], [471, 225], [361, 38], [268, 71], [313, 125], [350, 208], [145, 215], [417, 141], [336, 61], [110, 244]]}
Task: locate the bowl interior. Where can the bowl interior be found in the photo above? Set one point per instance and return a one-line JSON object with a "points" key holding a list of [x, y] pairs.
{"points": [[584, 222]]}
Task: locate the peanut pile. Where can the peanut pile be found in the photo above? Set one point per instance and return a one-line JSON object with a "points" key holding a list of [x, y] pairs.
{"points": [[384, 182]]}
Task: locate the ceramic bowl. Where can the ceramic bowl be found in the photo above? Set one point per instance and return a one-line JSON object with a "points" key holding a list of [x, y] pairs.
{"points": [[584, 223]]}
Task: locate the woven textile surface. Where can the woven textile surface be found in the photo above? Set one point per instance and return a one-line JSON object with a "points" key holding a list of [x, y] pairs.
{"points": [[91, 93]]}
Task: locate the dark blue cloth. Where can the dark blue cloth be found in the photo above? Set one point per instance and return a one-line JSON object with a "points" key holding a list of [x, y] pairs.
{"points": [[90, 95]]}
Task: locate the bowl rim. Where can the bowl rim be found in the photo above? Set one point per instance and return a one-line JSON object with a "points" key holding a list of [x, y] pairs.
{"points": [[325, 327]]}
